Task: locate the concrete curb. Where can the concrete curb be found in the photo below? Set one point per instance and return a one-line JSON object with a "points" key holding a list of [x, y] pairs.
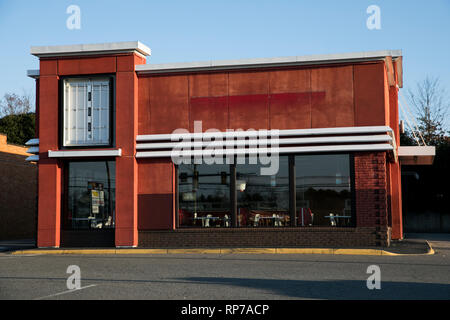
{"points": [[337, 251]]}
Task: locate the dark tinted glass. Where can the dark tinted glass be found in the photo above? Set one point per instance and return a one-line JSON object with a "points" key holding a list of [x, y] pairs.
{"points": [[204, 195], [90, 195], [323, 190], [263, 200]]}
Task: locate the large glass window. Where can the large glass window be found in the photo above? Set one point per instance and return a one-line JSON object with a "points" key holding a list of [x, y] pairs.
{"points": [[90, 195], [87, 112], [204, 195], [321, 186], [262, 200], [323, 190]]}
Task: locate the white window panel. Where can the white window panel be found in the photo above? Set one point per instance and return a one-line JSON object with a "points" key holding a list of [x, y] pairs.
{"points": [[86, 112]]}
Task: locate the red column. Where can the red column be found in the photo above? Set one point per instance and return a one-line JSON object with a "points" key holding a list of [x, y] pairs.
{"points": [[49, 200], [395, 172], [49, 204], [396, 202], [126, 166]]}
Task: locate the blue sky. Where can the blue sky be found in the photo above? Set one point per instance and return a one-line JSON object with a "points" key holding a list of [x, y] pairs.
{"points": [[180, 31]]}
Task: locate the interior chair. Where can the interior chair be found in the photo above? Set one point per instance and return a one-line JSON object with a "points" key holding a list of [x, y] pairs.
{"points": [[256, 222], [208, 218], [332, 220]]}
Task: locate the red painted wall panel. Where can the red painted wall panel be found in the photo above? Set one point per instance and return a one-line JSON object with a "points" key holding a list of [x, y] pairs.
{"points": [[169, 106], [49, 203], [396, 201], [292, 110], [369, 94], [208, 101], [81, 66], [156, 194], [249, 100], [126, 166], [48, 67], [331, 96], [336, 109], [48, 106], [128, 62]]}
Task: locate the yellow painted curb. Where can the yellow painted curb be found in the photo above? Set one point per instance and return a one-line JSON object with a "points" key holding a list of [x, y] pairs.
{"points": [[372, 252], [248, 250], [363, 252], [141, 251], [193, 250]]}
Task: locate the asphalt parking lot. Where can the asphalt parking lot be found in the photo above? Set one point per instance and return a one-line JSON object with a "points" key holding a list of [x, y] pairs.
{"points": [[226, 276]]}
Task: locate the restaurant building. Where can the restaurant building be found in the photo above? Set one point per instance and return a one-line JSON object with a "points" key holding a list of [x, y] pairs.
{"points": [[274, 152]]}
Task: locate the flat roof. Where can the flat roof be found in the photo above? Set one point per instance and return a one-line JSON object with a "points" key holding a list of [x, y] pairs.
{"points": [[90, 49], [138, 47], [269, 62]]}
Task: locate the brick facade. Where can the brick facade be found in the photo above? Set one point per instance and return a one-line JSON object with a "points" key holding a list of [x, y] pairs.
{"points": [[371, 221]]}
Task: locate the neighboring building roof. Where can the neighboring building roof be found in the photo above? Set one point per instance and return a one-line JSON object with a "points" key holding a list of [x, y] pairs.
{"points": [[90, 49], [11, 148], [269, 62]]}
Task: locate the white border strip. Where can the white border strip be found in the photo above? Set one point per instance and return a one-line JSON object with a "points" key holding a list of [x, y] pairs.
{"points": [[256, 133], [84, 153], [269, 62], [338, 148], [254, 143]]}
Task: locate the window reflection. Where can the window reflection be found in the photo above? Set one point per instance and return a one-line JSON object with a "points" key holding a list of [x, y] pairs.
{"points": [[90, 195], [323, 190], [263, 201], [204, 195]]}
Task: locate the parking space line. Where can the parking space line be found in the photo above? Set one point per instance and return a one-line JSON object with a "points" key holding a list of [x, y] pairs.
{"points": [[64, 292]]}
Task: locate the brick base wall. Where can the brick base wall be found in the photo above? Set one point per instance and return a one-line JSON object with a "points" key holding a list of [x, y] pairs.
{"points": [[266, 237]]}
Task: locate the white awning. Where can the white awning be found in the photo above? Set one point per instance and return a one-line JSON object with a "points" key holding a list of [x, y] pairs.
{"points": [[416, 155]]}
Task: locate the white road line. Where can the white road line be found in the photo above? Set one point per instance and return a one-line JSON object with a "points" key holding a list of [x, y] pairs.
{"points": [[64, 292]]}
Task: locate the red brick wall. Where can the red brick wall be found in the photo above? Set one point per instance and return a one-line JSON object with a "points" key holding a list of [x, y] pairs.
{"points": [[325, 237], [371, 193]]}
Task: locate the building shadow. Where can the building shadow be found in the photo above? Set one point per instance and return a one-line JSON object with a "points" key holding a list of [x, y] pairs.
{"points": [[334, 289]]}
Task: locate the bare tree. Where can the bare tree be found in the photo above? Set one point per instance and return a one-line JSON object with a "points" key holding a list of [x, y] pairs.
{"points": [[430, 105], [13, 104]]}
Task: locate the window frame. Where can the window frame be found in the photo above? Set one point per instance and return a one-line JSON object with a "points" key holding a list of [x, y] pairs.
{"points": [[112, 111], [292, 194], [65, 192]]}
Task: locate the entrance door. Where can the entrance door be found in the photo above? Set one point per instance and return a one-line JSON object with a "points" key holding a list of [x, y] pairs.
{"points": [[88, 218]]}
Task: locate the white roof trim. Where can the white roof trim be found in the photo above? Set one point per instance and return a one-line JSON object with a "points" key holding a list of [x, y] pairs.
{"points": [[416, 151], [90, 49], [33, 73], [84, 153], [269, 62]]}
